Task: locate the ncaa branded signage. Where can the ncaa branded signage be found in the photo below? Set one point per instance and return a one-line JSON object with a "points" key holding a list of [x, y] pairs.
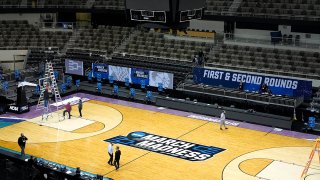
{"points": [[253, 81], [167, 146]]}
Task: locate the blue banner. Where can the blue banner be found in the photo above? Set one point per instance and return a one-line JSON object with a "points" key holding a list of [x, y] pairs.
{"points": [[101, 69], [132, 75], [139, 74], [253, 82]]}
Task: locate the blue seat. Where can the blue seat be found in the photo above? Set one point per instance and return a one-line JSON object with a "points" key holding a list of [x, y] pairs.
{"points": [[99, 77], [78, 83], [69, 81], [5, 86], [143, 84], [160, 87], [126, 82], [17, 75], [115, 90], [311, 122], [132, 93], [56, 74], [90, 76], [149, 96], [37, 90], [99, 86], [63, 88], [111, 80]]}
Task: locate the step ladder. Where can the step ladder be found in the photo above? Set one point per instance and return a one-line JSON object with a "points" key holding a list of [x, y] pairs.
{"points": [[50, 81], [315, 149]]}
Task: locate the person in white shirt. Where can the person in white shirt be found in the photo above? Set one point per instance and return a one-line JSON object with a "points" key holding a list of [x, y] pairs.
{"points": [[110, 151], [223, 120]]}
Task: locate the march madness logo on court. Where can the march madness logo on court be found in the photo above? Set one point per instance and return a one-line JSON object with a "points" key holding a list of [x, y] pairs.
{"points": [[168, 146]]}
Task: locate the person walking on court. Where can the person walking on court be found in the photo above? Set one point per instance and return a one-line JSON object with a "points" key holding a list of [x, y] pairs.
{"points": [[46, 96], [68, 110], [110, 152], [80, 107], [117, 158], [223, 120], [22, 143]]}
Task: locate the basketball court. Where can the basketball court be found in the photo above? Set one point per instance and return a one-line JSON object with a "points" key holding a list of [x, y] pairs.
{"points": [[244, 151]]}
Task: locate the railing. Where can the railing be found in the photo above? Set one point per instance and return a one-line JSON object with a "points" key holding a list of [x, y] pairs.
{"points": [[152, 57], [224, 12], [296, 101], [66, 6], [58, 25], [181, 83], [284, 41], [88, 51]]}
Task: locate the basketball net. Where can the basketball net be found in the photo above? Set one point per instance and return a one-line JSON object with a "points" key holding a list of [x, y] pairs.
{"points": [[316, 147]]}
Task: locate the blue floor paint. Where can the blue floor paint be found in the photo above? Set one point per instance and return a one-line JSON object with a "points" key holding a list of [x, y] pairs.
{"points": [[4, 122]]}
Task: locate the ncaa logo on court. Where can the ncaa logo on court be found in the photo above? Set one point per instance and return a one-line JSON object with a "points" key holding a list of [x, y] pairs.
{"points": [[138, 134], [167, 146]]}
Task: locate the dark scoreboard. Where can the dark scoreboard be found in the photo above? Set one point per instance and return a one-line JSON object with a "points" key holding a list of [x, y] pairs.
{"points": [[164, 11]]}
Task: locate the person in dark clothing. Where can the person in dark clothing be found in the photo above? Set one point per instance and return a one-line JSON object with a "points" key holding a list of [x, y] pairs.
{"points": [[22, 143], [264, 88], [31, 161], [77, 173], [46, 97], [117, 155], [32, 168], [241, 86], [80, 107]]}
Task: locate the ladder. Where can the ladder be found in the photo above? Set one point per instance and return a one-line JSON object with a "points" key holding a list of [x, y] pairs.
{"points": [[50, 81], [315, 148]]}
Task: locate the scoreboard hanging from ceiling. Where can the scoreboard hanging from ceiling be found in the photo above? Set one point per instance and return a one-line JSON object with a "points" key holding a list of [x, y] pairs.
{"points": [[164, 11], [150, 16], [190, 9], [148, 10]]}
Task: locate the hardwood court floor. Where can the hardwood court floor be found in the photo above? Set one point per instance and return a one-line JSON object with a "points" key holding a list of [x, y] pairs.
{"points": [[248, 152]]}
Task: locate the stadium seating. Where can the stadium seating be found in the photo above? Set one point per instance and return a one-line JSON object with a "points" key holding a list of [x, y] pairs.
{"points": [[266, 60], [64, 4], [274, 9], [109, 4], [10, 3], [104, 39], [85, 4], [21, 35], [217, 7], [78, 4], [153, 44], [36, 56]]}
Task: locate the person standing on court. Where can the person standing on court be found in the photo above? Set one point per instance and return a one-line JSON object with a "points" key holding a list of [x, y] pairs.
{"points": [[117, 155], [68, 110], [110, 152], [80, 107], [46, 96], [223, 120], [22, 143]]}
